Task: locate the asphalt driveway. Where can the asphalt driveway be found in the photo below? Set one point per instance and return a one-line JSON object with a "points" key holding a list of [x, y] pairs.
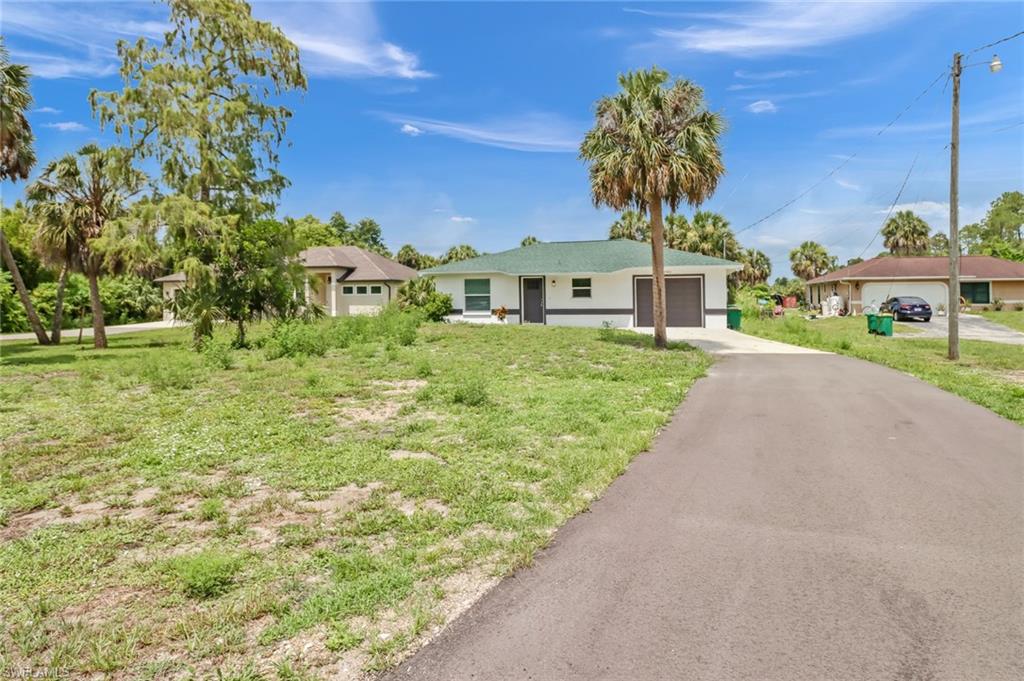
{"points": [[804, 516], [972, 327]]}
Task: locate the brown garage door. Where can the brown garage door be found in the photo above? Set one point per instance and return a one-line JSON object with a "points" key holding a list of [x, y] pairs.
{"points": [[682, 298]]}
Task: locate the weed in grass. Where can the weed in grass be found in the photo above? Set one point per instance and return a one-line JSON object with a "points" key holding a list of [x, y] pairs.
{"points": [[113, 648], [341, 637], [211, 509], [204, 575], [423, 369], [471, 392], [287, 671], [218, 354]]}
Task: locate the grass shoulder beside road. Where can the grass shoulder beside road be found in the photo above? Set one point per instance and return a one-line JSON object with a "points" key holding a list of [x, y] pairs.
{"points": [[989, 374], [165, 514], [1014, 319]]}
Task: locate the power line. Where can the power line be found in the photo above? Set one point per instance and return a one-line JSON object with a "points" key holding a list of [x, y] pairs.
{"points": [[1001, 40], [846, 160], [891, 207]]}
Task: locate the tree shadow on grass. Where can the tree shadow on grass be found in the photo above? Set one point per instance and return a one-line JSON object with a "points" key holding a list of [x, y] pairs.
{"points": [[27, 353], [638, 340]]}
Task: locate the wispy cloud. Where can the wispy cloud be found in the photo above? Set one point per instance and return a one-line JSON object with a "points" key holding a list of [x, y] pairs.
{"points": [[845, 184], [538, 132], [991, 112], [769, 240], [777, 27], [46, 110], [462, 218], [735, 87], [762, 106], [770, 75], [926, 209], [66, 126], [410, 130], [341, 39], [336, 39]]}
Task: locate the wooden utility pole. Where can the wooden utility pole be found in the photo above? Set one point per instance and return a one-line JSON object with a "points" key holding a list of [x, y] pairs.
{"points": [[954, 215]]}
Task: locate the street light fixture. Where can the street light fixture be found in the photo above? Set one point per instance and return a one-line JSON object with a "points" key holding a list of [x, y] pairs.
{"points": [[995, 66]]}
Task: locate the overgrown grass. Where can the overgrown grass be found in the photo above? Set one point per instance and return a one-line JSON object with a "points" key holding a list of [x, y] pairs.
{"points": [[268, 513], [989, 374]]}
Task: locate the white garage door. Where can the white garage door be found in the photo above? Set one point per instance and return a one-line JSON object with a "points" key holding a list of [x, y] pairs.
{"points": [[878, 292]]}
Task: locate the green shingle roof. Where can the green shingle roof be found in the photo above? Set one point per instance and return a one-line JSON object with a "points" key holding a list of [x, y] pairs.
{"points": [[564, 257]]}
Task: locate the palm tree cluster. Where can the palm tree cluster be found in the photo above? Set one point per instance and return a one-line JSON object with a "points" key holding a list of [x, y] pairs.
{"points": [[810, 260], [654, 143], [907, 234]]}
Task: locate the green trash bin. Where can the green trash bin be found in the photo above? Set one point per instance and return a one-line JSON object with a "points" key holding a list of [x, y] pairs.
{"points": [[872, 323], [884, 327], [732, 317]]}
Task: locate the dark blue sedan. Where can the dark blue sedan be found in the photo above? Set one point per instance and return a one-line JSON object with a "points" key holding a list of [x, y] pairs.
{"points": [[909, 307]]}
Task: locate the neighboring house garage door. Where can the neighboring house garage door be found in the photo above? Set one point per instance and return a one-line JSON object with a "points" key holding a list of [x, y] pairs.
{"points": [[684, 300], [877, 292]]}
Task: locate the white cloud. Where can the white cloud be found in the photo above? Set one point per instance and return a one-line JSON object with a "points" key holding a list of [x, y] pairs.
{"points": [[743, 86], [462, 218], [777, 27], [770, 75], [762, 106], [538, 132], [410, 130], [926, 209], [341, 39], [46, 110], [336, 39], [991, 112], [66, 126], [769, 240], [847, 185]]}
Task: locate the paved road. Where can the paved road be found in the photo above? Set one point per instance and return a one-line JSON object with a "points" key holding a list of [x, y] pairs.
{"points": [[972, 327], [70, 334], [803, 517]]}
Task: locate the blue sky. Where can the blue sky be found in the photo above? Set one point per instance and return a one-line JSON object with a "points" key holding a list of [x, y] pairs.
{"points": [[459, 122]]}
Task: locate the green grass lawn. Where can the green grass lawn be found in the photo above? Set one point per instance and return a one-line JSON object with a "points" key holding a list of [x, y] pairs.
{"points": [[990, 374], [303, 517], [1011, 318]]}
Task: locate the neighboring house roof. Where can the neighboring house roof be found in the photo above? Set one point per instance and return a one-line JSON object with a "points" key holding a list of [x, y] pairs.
{"points": [[177, 276], [926, 267], [363, 265], [564, 257]]}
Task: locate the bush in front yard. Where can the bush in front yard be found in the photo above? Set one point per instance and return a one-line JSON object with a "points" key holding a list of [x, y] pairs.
{"points": [[422, 295], [296, 338]]}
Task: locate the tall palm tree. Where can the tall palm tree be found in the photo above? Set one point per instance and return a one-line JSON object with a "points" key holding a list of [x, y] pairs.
{"points": [[459, 253], [757, 267], [709, 234], [810, 260], [906, 234], [631, 225], [653, 143], [17, 157], [74, 199]]}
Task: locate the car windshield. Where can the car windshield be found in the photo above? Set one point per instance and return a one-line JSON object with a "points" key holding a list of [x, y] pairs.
{"points": [[911, 300]]}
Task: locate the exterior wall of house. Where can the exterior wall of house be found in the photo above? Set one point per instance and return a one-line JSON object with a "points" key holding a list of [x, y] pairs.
{"points": [[170, 290], [1011, 292], [610, 301], [340, 297]]}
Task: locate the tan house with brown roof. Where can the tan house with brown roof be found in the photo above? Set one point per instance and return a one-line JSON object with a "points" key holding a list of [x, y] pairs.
{"points": [[984, 280], [344, 280]]}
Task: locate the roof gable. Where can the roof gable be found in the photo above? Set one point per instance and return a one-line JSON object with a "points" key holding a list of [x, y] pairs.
{"points": [[363, 265], [934, 267], [564, 257]]}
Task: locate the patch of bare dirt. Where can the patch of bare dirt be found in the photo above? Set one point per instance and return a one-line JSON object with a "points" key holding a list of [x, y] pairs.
{"points": [[399, 387], [400, 454], [343, 499], [410, 506], [385, 410]]}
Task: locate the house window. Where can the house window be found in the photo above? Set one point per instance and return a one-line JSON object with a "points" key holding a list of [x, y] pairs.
{"points": [[375, 290], [581, 288], [976, 292], [360, 290], [347, 290], [478, 295]]}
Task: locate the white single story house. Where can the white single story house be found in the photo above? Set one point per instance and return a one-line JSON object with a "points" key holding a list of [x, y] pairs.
{"points": [[984, 279], [585, 283], [343, 279]]}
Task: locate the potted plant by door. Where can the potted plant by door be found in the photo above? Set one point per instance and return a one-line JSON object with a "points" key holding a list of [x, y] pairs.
{"points": [[501, 313], [940, 310]]}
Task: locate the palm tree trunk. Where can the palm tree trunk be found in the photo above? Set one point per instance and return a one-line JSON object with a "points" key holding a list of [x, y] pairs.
{"points": [[19, 285], [658, 267], [58, 306], [240, 338], [99, 330]]}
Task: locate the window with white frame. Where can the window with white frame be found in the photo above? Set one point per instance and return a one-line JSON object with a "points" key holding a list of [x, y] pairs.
{"points": [[478, 295], [375, 290], [347, 290], [581, 288], [360, 290]]}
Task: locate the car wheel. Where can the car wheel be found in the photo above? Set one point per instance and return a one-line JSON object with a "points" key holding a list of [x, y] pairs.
{"points": [[896, 317]]}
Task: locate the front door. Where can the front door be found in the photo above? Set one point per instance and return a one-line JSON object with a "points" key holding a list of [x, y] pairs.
{"points": [[533, 300]]}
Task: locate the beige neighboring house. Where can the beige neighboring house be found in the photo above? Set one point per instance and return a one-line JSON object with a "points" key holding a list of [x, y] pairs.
{"points": [[344, 280], [984, 279]]}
